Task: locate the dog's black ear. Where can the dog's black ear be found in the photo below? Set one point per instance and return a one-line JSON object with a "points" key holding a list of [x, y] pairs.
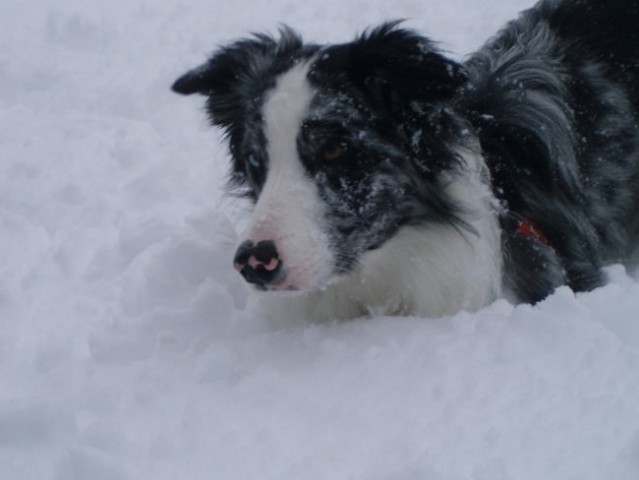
{"points": [[197, 80], [394, 63], [237, 75]]}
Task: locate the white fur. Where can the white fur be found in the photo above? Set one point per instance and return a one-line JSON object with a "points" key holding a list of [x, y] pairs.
{"points": [[428, 271], [288, 211]]}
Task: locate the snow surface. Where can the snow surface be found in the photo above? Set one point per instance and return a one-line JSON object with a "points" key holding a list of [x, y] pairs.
{"points": [[126, 350]]}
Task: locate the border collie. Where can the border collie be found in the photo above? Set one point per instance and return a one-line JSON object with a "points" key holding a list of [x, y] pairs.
{"points": [[389, 179]]}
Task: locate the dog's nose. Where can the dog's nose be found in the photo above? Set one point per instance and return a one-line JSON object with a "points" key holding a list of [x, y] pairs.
{"points": [[258, 263]]}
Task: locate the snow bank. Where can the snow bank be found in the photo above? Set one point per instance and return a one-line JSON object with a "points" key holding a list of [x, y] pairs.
{"points": [[128, 349]]}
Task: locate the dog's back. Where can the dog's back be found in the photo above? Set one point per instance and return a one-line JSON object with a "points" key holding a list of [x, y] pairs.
{"points": [[554, 98]]}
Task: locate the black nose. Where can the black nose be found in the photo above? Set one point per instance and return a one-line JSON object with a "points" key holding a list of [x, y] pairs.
{"points": [[258, 263]]}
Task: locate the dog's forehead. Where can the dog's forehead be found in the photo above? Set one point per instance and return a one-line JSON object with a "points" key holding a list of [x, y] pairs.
{"points": [[284, 110], [297, 89], [291, 92]]}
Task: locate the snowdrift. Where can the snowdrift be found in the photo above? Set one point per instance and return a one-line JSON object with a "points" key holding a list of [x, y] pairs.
{"points": [[130, 350]]}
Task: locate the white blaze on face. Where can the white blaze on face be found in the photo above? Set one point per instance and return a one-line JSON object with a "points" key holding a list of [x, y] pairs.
{"points": [[289, 211]]}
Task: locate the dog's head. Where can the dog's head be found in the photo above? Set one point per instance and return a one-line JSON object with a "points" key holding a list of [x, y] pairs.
{"points": [[337, 146]]}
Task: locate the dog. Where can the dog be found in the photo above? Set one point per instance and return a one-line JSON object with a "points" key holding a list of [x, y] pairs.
{"points": [[389, 179]]}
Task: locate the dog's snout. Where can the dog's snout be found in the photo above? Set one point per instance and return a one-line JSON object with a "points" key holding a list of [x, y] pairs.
{"points": [[258, 263]]}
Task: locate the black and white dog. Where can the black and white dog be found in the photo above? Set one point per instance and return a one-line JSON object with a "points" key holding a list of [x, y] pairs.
{"points": [[390, 179]]}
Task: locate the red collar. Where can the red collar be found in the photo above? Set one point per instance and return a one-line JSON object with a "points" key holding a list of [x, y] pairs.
{"points": [[528, 228]]}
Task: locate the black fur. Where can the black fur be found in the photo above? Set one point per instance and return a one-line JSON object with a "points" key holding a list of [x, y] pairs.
{"points": [[552, 101], [393, 126], [235, 80]]}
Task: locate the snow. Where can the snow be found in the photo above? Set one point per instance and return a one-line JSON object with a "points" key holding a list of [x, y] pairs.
{"points": [[129, 348]]}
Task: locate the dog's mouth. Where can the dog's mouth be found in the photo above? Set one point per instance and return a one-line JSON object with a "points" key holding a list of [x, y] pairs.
{"points": [[282, 288], [283, 282]]}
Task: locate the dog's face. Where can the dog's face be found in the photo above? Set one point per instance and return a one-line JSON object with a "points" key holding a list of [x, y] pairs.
{"points": [[338, 146]]}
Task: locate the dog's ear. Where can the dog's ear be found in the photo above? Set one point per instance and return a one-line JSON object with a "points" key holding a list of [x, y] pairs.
{"points": [[196, 80], [394, 64], [235, 77]]}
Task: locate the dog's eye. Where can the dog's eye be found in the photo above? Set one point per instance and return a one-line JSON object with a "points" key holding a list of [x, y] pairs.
{"points": [[253, 161], [333, 151], [254, 170]]}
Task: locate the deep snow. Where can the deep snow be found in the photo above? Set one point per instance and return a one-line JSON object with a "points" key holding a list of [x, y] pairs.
{"points": [[126, 350]]}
